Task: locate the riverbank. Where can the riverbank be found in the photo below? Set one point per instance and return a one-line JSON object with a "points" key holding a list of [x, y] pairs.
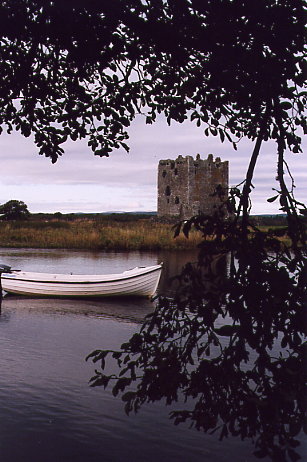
{"points": [[142, 234], [121, 232]]}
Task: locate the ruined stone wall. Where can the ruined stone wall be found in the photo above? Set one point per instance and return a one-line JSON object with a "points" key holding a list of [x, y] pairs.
{"points": [[185, 185]]}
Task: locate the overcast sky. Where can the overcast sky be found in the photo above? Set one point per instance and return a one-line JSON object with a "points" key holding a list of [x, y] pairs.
{"points": [[82, 182]]}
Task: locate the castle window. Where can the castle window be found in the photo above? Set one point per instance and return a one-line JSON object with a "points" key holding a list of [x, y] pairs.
{"points": [[164, 173], [172, 165], [167, 191], [176, 200], [176, 171]]}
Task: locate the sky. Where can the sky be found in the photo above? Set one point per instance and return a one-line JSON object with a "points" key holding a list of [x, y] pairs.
{"points": [[82, 182]]}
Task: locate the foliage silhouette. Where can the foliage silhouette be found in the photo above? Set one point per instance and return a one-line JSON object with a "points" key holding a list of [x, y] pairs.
{"points": [[85, 69], [230, 344], [236, 69], [14, 210]]}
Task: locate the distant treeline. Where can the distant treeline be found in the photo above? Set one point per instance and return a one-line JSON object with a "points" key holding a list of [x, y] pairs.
{"points": [[260, 220], [103, 217], [269, 220]]}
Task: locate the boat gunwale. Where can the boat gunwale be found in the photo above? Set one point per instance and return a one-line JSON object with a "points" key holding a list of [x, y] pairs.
{"points": [[58, 281]]}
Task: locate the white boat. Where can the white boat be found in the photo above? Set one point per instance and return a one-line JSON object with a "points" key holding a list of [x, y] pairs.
{"points": [[137, 282]]}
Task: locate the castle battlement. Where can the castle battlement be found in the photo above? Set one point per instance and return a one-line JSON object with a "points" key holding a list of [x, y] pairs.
{"points": [[186, 185]]}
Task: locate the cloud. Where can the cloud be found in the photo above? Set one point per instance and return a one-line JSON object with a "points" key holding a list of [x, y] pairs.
{"points": [[80, 181]]}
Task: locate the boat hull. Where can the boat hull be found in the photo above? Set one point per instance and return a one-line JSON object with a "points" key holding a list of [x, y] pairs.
{"points": [[138, 282]]}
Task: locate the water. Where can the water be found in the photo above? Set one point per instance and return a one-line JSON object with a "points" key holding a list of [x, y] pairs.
{"points": [[95, 262], [48, 411]]}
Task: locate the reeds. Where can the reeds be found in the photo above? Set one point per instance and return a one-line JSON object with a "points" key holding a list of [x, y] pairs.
{"points": [[97, 234], [143, 234]]}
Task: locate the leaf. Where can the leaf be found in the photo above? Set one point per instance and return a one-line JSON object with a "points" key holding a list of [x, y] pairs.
{"points": [[125, 146], [123, 371], [128, 396], [99, 380], [194, 115], [187, 228], [205, 116], [224, 432], [101, 153], [294, 456], [272, 199], [294, 443], [120, 385], [127, 408], [226, 330], [92, 354], [295, 428], [177, 229], [286, 105], [261, 453], [222, 135]]}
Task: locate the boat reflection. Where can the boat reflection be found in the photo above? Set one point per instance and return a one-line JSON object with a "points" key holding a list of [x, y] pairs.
{"points": [[124, 309]]}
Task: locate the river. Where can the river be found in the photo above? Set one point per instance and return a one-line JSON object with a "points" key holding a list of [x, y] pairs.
{"points": [[48, 411]]}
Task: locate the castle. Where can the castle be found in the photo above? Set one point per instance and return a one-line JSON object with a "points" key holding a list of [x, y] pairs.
{"points": [[185, 185]]}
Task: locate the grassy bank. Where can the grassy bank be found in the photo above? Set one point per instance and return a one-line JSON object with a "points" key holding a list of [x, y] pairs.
{"points": [[142, 234], [114, 232]]}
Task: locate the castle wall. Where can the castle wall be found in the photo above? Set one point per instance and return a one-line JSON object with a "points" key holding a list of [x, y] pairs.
{"points": [[185, 185]]}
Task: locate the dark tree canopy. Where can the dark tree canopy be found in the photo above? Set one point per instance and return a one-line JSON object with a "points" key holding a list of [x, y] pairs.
{"points": [[84, 69], [14, 210], [231, 344]]}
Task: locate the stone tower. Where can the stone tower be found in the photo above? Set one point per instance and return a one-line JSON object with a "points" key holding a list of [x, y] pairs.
{"points": [[185, 185]]}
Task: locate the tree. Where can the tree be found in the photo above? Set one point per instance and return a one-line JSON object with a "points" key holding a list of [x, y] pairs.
{"points": [[183, 58], [14, 210], [236, 69]]}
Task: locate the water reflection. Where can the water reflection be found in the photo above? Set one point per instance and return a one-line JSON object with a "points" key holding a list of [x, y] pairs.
{"points": [[123, 309], [245, 377], [48, 411]]}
